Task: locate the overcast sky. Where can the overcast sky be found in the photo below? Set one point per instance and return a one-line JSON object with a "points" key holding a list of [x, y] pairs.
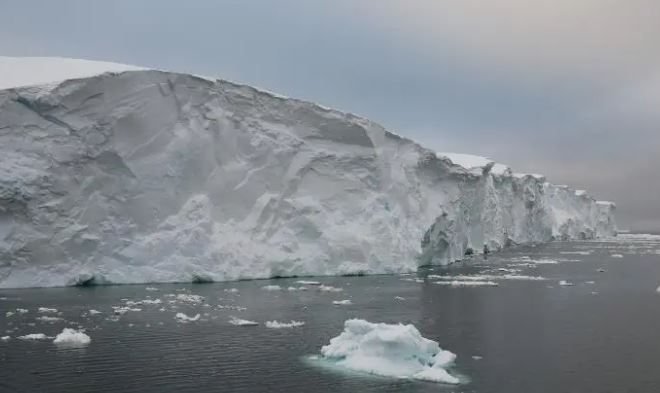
{"points": [[568, 88]]}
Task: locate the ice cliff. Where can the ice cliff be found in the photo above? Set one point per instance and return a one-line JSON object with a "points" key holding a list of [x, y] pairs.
{"points": [[142, 175]]}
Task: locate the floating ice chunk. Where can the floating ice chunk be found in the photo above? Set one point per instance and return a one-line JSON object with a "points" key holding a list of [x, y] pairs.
{"points": [[242, 322], [590, 282], [150, 301], [21, 310], [5, 338], [231, 290], [657, 289], [477, 357], [487, 277], [293, 289], [72, 338], [119, 310], [33, 336], [399, 298], [601, 270], [283, 325], [94, 312], [151, 289], [391, 350], [616, 256], [587, 252], [457, 283], [47, 310], [345, 302], [9, 314], [565, 283], [181, 317], [271, 288], [187, 298], [46, 318], [329, 288], [304, 282]]}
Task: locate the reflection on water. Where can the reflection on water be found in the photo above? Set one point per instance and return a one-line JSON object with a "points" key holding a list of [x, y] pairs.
{"points": [[519, 336]]}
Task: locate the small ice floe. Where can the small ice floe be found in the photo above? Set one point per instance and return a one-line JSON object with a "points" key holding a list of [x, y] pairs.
{"points": [[590, 282], [47, 310], [399, 298], [33, 336], [565, 283], [329, 288], [21, 310], [657, 289], [72, 338], [488, 277], [345, 302], [46, 318], [5, 338], [151, 301], [242, 322], [94, 312], [305, 282], [120, 310], [187, 298], [181, 317], [470, 283], [231, 290], [616, 256], [601, 270], [294, 289], [150, 289], [477, 357], [545, 261], [271, 288], [586, 252], [390, 350], [9, 314], [283, 325]]}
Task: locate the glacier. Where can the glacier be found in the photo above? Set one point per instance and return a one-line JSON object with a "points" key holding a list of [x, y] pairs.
{"points": [[119, 174]]}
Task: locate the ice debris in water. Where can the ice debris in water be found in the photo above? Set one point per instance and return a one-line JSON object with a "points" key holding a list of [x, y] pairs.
{"points": [[33, 336], [283, 325], [21, 310], [231, 290], [181, 317], [46, 318], [271, 288], [400, 298], [565, 283], [345, 302], [94, 312], [47, 310], [186, 298], [5, 338], [293, 289], [150, 289], [616, 256], [304, 282], [242, 322], [391, 350], [469, 283], [329, 288], [72, 338]]}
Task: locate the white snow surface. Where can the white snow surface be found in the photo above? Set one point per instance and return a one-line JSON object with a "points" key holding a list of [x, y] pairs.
{"points": [[148, 176], [391, 350], [72, 338]]}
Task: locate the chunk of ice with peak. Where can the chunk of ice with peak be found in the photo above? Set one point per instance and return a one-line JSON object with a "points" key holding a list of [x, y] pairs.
{"points": [[72, 338], [391, 350]]}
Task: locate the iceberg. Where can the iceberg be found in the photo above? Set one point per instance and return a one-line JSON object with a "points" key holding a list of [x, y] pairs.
{"points": [[390, 350], [72, 338], [120, 174]]}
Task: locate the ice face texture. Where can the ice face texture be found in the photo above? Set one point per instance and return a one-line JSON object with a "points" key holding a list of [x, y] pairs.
{"points": [[150, 176], [391, 350]]}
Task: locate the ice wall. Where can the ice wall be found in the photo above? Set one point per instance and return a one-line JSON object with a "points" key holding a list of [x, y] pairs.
{"points": [[150, 176]]}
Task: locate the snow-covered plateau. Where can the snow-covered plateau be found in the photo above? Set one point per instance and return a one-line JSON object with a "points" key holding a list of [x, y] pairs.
{"points": [[137, 175]]}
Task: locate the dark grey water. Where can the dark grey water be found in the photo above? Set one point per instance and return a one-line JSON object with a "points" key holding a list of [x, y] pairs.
{"points": [[531, 336]]}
